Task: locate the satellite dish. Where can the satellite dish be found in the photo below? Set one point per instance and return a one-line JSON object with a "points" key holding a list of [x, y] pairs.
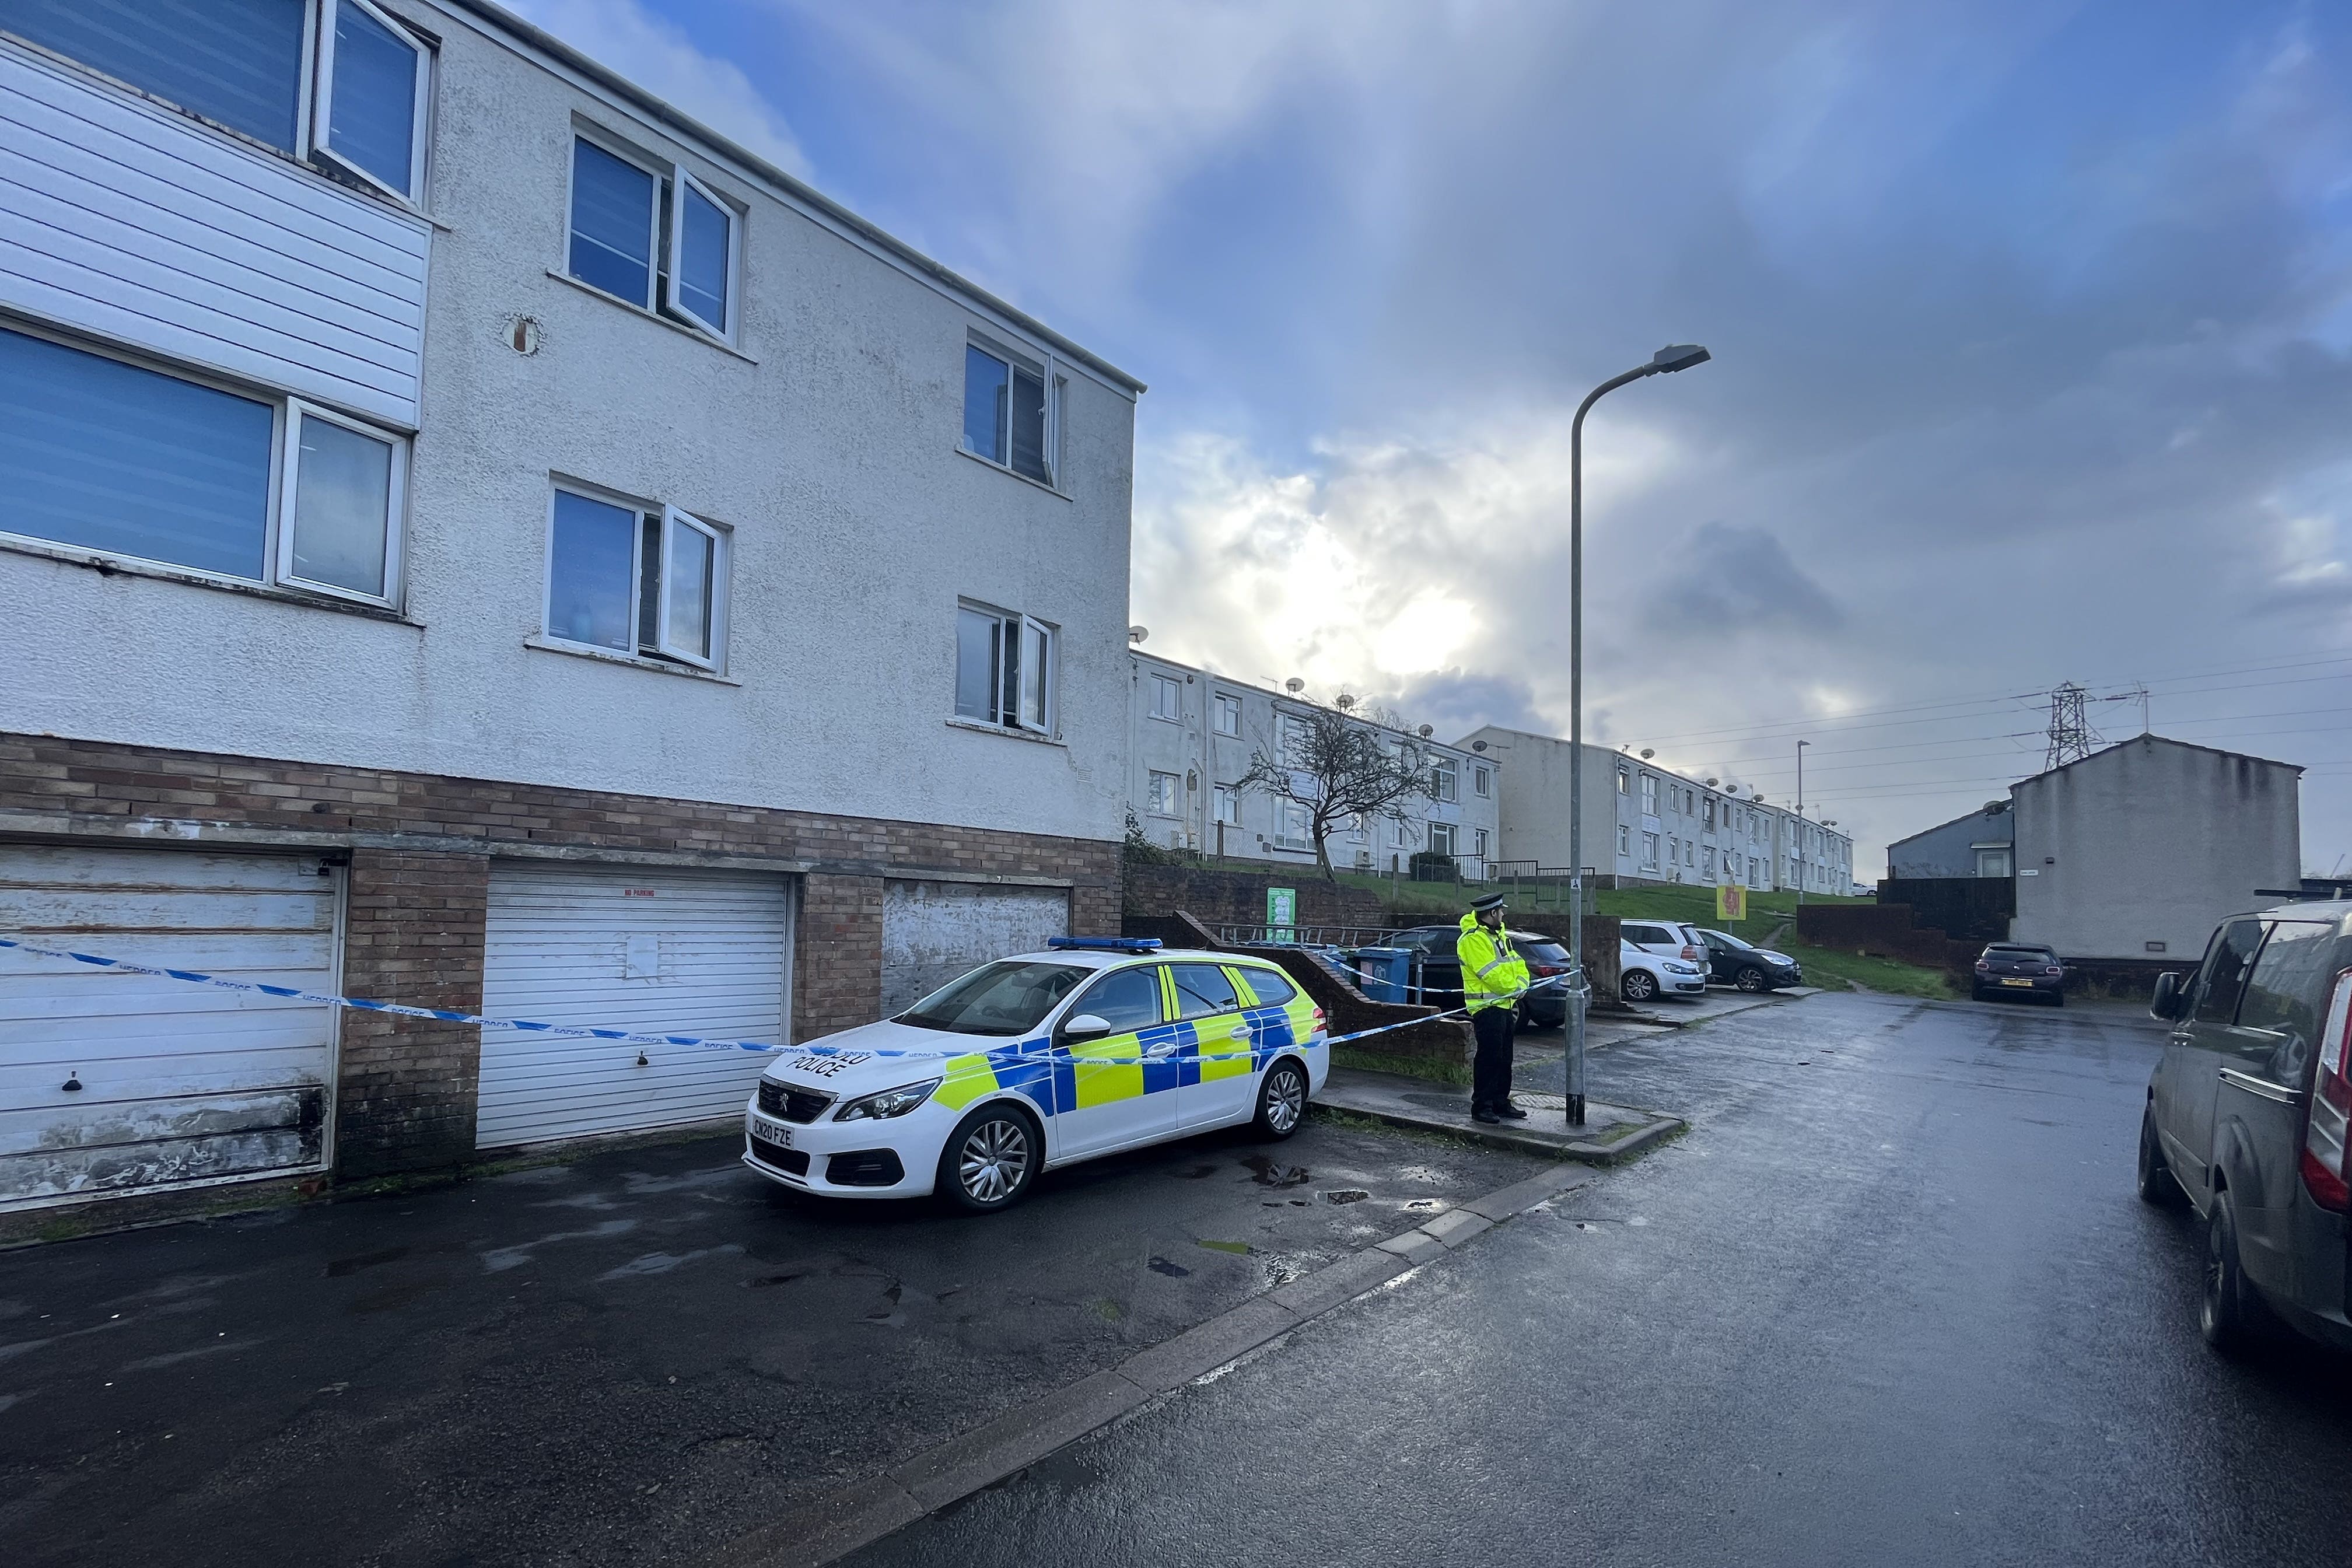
{"points": [[1427, 731], [1710, 784], [1647, 753], [1477, 745], [1343, 702], [1294, 686], [1136, 634]]}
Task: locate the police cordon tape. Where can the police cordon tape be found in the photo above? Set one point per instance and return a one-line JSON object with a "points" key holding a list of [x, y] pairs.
{"points": [[630, 1037]]}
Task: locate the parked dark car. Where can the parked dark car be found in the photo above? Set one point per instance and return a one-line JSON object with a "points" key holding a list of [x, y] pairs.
{"points": [[2246, 1119], [1731, 962], [1441, 971], [2019, 969]]}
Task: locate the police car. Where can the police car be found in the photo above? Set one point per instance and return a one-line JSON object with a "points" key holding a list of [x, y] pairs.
{"points": [[1099, 1044]]}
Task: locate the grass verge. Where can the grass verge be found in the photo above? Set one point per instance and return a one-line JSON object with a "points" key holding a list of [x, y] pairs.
{"points": [[1835, 969]]}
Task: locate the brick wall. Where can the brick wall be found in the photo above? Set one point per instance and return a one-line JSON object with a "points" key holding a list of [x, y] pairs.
{"points": [[412, 931], [1238, 898], [420, 848]]}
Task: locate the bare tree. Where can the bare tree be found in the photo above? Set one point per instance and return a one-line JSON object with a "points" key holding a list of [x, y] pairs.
{"points": [[1341, 766]]}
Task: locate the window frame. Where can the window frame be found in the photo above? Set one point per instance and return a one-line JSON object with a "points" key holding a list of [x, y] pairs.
{"points": [[672, 519], [1447, 831], [1162, 685], [605, 142], [318, 109], [288, 483], [1222, 797], [1226, 703], [1048, 370], [1174, 808], [1445, 781], [278, 526], [1481, 781], [1009, 704], [681, 180], [1304, 840], [721, 581]]}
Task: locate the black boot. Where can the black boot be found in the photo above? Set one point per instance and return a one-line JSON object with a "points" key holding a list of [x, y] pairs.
{"points": [[1504, 1108], [1485, 1113]]}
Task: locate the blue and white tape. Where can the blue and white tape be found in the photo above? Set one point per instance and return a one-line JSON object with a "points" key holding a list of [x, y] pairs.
{"points": [[630, 1037]]}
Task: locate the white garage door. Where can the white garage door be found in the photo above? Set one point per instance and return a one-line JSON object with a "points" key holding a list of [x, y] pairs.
{"points": [[115, 1083], [933, 932], [672, 953]]}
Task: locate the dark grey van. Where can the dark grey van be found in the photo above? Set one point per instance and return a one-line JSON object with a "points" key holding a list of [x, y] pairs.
{"points": [[2246, 1119]]}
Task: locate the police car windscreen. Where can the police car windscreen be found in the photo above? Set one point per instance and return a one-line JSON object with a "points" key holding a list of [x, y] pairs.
{"points": [[996, 999]]}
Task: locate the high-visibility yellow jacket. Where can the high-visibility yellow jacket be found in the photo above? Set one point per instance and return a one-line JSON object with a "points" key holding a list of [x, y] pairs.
{"points": [[1492, 974]]}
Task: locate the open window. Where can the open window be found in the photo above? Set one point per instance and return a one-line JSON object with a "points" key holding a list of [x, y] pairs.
{"points": [[345, 487], [1012, 411], [1005, 668], [655, 235], [370, 106], [636, 579]]}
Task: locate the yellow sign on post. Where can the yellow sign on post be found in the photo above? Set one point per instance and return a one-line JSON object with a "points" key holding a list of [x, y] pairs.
{"points": [[1731, 902]]}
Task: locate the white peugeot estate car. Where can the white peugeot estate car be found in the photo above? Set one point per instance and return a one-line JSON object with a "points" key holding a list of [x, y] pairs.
{"points": [[1099, 1044]]}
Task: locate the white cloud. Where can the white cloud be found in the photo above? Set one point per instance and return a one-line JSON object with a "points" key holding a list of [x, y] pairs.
{"points": [[658, 56]]}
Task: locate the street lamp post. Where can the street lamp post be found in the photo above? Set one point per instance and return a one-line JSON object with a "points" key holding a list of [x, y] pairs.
{"points": [[1672, 357], [1801, 822]]}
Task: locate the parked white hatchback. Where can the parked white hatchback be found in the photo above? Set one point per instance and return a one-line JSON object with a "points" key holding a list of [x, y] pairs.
{"points": [[1643, 976], [1097, 1045]]}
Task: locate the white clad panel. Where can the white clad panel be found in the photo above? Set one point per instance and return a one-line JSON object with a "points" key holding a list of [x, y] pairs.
{"points": [[656, 951], [136, 224], [934, 931], [176, 1082]]}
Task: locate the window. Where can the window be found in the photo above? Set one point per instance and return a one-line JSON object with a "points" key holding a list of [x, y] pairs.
{"points": [[372, 97], [1442, 783], [1706, 861], [1624, 781], [1225, 803], [1441, 838], [1706, 815], [1687, 852], [1202, 990], [1005, 668], [2288, 992], [1293, 827], [1479, 842], [355, 93], [1624, 839], [2223, 972], [1229, 715], [1009, 417], [1271, 989], [1162, 800], [1671, 847], [1650, 850], [635, 578], [1992, 862], [1649, 795], [1127, 999], [1292, 737], [654, 235], [1167, 699], [1480, 784], [103, 456]]}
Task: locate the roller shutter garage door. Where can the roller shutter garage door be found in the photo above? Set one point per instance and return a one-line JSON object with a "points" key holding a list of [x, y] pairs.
{"points": [[657, 952], [933, 932], [115, 1083]]}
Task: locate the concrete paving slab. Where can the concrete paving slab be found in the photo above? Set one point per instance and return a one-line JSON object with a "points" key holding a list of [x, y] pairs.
{"points": [[1611, 1133], [1174, 1363], [1521, 1197], [833, 1527], [1454, 1229], [1414, 1245]]}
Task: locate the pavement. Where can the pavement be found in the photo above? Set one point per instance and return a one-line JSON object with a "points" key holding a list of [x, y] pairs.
{"points": [[1893, 1299], [1611, 1134], [648, 1353]]}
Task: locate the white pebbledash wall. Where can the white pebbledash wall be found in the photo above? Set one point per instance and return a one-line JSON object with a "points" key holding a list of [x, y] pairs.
{"points": [[829, 444]]}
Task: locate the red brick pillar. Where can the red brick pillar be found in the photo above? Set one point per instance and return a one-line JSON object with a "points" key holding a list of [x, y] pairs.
{"points": [[413, 933], [837, 957]]}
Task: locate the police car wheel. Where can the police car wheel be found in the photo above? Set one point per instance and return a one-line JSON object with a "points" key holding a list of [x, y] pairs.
{"points": [[989, 1159], [1282, 1100]]}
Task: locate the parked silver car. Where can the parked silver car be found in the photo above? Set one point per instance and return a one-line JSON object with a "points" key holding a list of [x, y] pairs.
{"points": [[2247, 1115]]}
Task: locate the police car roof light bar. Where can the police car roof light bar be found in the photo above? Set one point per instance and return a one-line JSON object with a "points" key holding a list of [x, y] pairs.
{"points": [[1107, 943]]}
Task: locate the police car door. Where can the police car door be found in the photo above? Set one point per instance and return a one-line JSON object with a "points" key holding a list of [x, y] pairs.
{"points": [[1219, 1080], [1120, 1089]]}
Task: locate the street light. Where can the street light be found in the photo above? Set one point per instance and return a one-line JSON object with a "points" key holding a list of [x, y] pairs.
{"points": [[1801, 822], [1672, 357]]}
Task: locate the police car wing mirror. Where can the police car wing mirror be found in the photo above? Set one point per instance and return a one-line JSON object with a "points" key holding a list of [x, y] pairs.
{"points": [[1086, 1026]]}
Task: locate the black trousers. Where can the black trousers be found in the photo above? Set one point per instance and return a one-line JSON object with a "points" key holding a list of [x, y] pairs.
{"points": [[1490, 1077]]}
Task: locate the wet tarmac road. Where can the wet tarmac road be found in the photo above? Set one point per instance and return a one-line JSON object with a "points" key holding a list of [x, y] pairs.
{"points": [[1892, 1300]]}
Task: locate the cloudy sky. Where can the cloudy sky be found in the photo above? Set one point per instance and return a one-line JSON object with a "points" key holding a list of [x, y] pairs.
{"points": [[2030, 326]]}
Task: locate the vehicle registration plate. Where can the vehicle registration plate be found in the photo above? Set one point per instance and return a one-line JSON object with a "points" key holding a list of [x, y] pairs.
{"points": [[775, 1133], [2016, 983]]}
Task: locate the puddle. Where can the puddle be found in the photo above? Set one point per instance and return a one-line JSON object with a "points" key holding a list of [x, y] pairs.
{"points": [[1238, 1248], [1174, 1271], [1266, 1172], [1424, 1206], [1346, 1195]]}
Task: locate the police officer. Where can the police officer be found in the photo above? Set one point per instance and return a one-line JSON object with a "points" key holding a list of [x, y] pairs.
{"points": [[1494, 978]]}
